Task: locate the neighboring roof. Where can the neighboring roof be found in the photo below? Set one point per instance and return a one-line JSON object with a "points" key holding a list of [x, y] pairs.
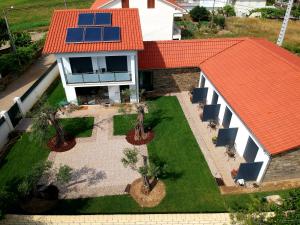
{"points": [[127, 19], [259, 80], [100, 3]]}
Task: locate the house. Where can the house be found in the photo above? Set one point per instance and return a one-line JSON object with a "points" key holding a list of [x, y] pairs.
{"points": [[249, 85], [96, 62], [241, 7], [156, 16]]}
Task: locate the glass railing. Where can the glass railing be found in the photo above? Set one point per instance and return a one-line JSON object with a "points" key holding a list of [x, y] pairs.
{"points": [[98, 78]]}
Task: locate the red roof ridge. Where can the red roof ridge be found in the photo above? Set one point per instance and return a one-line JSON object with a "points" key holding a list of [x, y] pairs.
{"points": [[255, 40], [101, 9]]}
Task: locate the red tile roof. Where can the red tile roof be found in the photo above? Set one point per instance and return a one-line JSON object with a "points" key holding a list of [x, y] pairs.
{"points": [[127, 19], [259, 80], [100, 3]]}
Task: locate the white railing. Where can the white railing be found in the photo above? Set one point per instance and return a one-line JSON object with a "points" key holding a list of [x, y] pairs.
{"points": [[98, 77]]}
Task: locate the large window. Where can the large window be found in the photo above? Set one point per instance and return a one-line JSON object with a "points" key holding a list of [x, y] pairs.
{"points": [[116, 63], [81, 65]]}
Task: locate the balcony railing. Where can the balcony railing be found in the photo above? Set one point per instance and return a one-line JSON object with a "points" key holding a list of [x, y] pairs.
{"points": [[98, 77]]}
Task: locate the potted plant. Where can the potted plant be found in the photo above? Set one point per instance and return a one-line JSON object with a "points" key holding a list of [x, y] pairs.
{"points": [[214, 139]]}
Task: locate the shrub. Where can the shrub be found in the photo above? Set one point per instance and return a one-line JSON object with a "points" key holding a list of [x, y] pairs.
{"points": [[270, 2], [6, 200], [3, 32], [64, 174], [22, 39], [219, 20], [228, 11], [199, 13], [270, 13]]}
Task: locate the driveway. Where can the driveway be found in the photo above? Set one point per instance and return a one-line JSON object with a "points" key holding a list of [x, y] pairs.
{"points": [[96, 160]]}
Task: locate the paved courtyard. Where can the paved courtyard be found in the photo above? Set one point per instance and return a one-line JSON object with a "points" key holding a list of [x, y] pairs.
{"points": [[96, 160], [218, 162]]}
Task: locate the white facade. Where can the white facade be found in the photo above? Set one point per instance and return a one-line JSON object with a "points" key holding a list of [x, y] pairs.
{"points": [[157, 23], [100, 76], [243, 132], [241, 7]]}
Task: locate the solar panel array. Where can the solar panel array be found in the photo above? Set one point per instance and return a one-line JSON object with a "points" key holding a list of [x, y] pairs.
{"points": [[93, 27]]}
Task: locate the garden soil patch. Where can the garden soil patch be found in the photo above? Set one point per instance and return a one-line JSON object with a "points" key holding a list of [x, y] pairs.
{"points": [[67, 145], [130, 138], [152, 199]]}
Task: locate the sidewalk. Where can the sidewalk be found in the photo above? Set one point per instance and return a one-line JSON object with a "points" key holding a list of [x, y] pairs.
{"points": [[19, 86], [147, 219]]}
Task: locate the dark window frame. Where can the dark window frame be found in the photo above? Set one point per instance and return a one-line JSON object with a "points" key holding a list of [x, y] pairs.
{"points": [[150, 4], [116, 63], [86, 65], [125, 4]]}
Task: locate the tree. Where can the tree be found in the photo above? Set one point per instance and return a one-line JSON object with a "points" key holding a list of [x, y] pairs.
{"points": [[3, 32], [148, 171], [228, 11], [22, 39], [200, 13], [47, 115], [139, 130]]}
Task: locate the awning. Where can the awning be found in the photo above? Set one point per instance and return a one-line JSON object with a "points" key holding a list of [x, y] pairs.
{"points": [[226, 136], [211, 112], [249, 171], [199, 95]]}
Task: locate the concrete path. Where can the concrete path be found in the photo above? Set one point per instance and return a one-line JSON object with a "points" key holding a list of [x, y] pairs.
{"points": [[19, 86], [148, 219], [219, 164], [96, 160]]}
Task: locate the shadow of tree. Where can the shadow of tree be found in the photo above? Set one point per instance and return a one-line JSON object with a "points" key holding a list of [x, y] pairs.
{"points": [[167, 172]]}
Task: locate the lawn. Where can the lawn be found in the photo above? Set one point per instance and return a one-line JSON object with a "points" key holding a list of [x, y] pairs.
{"points": [[190, 185], [36, 15]]}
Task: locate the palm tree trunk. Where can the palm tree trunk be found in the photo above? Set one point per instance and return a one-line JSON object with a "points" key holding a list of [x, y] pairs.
{"points": [[60, 134]]}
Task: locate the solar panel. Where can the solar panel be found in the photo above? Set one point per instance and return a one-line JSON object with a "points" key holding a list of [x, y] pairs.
{"points": [[93, 34], [86, 19], [74, 35], [103, 19], [111, 34]]}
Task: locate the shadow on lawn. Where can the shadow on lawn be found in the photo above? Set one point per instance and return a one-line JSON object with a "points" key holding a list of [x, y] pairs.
{"points": [[156, 117], [78, 126]]}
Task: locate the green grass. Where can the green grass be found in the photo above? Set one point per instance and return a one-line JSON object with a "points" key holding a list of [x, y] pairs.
{"points": [[36, 15], [19, 161], [55, 93], [78, 127], [190, 185]]}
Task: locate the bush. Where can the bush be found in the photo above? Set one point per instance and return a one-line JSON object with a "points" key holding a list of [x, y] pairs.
{"points": [[3, 32], [22, 39], [228, 11], [6, 200], [270, 13], [219, 20], [64, 174], [200, 13]]}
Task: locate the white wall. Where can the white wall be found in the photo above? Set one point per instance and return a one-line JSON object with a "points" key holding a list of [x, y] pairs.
{"points": [[39, 90], [98, 61], [243, 132], [243, 7], [156, 23], [114, 94], [5, 129]]}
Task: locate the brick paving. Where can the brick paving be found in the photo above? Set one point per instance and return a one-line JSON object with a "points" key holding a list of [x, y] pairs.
{"points": [[147, 219], [96, 160]]}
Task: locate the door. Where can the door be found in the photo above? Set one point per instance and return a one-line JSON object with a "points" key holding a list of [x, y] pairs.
{"points": [[250, 151], [215, 98], [227, 118], [81, 65], [146, 80]]}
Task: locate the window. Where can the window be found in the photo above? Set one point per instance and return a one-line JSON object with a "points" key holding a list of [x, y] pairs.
{"points": [[125, 3], [214, 98], [81, 65], [202, 82], [116, 63], [250, 150], [227, 118], [151, 4]]}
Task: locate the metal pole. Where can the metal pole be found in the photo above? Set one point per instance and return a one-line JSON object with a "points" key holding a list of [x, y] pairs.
{"points": [[213, 14], [9, 33], [285, 23]]}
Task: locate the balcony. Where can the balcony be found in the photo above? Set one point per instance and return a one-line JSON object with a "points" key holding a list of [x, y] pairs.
{"points": [[98, 77]]}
